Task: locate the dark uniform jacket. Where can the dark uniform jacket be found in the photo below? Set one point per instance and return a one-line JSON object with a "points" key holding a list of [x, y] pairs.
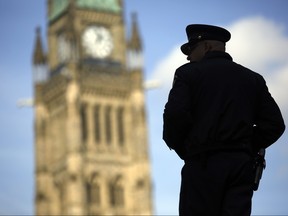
{"points": [[218, 104]]}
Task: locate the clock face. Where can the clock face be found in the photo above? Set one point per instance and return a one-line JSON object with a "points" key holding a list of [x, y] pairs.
{"points": [[97, 41], [64, 50]]}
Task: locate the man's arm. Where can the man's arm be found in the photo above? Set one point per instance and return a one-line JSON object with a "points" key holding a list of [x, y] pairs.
{"points": [[269, 125], [177, 117]]}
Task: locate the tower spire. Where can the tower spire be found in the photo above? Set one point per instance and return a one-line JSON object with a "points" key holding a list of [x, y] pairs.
{"points": [[40, 74], [39, 57], [135, 41], [135, 56]]}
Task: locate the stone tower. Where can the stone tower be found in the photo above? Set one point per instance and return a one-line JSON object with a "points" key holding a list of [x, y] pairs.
{"points": [[91, 146]]}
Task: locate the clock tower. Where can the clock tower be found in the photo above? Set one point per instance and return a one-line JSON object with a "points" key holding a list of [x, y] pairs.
{"points": [[91, 146]]}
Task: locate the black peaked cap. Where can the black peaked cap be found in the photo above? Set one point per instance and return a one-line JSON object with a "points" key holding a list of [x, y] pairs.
{"points": [[200, 32]]}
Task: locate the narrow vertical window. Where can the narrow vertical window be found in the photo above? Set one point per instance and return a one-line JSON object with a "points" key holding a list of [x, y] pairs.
{"points": [[97, 130], [143, 115], [120, 125], [43, 128], [83, 116], [108, 124]]}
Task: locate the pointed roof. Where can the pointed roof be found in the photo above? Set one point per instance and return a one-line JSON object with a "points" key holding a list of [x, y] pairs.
{"points": [[113, 6], [38, 56], [135, 40], [58, 7]]}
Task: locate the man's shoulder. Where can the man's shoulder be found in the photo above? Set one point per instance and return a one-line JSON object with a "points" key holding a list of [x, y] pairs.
{"points": [[249, 71], [187, 68]]}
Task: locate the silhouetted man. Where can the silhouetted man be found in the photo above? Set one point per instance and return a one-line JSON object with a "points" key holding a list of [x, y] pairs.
{"points": [[218, 115]]}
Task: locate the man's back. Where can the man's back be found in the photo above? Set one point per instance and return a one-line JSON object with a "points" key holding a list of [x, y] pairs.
{"points": [[225, 103]]}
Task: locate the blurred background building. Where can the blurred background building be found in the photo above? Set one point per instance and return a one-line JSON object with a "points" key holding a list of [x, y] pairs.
{"points": [[91, 145]]}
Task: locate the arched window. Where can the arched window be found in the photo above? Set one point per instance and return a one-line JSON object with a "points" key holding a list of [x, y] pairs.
{"points": [[41, 202], [61, 198], [116, 192], [40, 197], [93, 194], [141, 194], [93, 191]]}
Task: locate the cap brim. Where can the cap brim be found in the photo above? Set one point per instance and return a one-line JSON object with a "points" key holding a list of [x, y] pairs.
{"points": [[185, 48]]}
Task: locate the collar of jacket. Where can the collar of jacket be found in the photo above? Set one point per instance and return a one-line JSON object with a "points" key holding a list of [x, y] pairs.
{"points": [[217, 54]]}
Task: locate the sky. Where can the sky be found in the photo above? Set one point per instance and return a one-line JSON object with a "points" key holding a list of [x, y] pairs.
{"points": [[259, 41]]}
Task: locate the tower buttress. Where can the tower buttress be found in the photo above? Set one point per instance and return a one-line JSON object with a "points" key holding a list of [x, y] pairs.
{"points": [[40, 124]]}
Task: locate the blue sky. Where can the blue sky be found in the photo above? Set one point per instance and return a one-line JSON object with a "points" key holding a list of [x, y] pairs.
{"points": [[259, 40]]}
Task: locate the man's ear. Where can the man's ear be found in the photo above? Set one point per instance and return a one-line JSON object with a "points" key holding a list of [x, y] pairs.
{"points": [[207, 46]]}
